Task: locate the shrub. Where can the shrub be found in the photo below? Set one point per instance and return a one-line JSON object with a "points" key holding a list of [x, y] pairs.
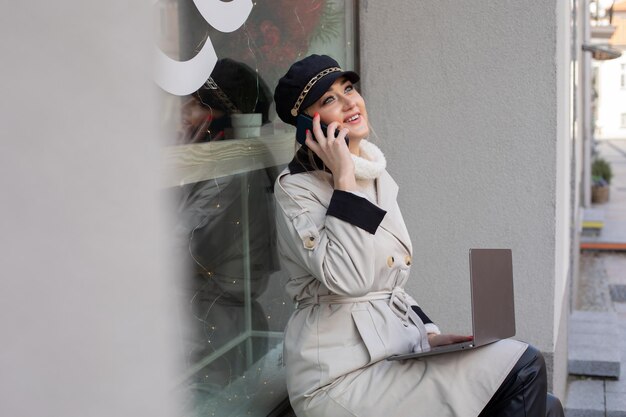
{"points": [[601, 170]]}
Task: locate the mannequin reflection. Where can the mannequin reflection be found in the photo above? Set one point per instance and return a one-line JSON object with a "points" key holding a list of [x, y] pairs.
{"points": [[215, 240], [200, 123], [211, 241], [232, 88]]}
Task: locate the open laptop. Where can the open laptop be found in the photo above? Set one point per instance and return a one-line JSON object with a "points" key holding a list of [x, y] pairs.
{"points": [[493, 310]]}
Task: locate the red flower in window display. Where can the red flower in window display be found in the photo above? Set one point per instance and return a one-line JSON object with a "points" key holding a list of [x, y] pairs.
{"points": [[274, 35], [276, 52], [299, 18], [271, 34]]}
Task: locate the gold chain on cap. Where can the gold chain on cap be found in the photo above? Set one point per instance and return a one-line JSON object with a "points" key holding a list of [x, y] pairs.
{"points": [[307, 88], [221, 96]]}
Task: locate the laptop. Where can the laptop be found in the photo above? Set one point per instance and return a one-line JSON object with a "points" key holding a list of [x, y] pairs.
{"points": [[493, 310]]}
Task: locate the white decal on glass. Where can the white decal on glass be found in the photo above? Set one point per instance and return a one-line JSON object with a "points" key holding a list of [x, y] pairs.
{"points": [[184, 77], [225, 17]]}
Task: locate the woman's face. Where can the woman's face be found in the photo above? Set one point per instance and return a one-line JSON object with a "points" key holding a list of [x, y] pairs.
{"points": [[343, 104]]}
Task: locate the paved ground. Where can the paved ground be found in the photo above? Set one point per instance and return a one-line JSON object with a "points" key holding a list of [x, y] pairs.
{"points": [[602, 288], [613, 212]]}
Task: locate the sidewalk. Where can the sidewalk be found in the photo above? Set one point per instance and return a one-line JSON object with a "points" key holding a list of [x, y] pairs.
{"points": [[613, 213], [602, 290], [601, 300]]}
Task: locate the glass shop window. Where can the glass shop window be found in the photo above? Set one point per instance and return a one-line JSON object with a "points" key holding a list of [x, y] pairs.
{"points": [[218, 63]]}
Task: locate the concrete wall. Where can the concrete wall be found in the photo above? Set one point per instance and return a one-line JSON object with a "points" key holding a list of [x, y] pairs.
{"points": [[567, 189], [86, 309], [464, 97]]}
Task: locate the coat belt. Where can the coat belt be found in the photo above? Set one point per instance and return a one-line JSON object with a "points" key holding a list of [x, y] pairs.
{"points": [[399, 302], [340, 299]]}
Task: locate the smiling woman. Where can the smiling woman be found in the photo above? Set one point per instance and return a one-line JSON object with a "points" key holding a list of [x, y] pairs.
{"points": [[343, 242], [342, 104]]}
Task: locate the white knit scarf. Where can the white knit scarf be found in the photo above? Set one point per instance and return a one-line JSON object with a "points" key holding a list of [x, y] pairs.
{"points": [[371, 163]]}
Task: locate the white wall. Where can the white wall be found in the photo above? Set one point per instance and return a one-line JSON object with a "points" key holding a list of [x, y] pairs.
{"points": [[563, 159], [611, 99], [465, 98], [86, 308], [568, 178]]}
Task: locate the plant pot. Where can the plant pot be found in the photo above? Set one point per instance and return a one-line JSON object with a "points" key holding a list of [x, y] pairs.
{"points": [[246, 125], [600, 194]]}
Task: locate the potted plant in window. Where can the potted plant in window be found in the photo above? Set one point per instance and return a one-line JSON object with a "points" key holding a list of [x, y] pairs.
{"points": [[246, 125], [247, 122], [601, 175], [250, 95]]}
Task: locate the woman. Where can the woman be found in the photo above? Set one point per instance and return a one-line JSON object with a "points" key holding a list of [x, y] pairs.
{"points": [[347, 252]]}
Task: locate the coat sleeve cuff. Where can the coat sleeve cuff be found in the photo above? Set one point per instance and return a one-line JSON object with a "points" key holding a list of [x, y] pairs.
{"points": [[428, 323], [418, 310], [355, 210], [432, 328]]}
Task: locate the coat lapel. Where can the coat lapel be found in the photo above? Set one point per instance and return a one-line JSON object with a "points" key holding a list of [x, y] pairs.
{"points": [[387, 192]]}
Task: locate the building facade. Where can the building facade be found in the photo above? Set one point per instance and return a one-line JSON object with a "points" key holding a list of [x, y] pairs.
{"points": [[474, 104], [610, 81]]}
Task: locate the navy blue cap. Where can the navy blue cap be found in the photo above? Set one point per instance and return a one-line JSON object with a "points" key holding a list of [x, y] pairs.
{"points": [[306, 81]]}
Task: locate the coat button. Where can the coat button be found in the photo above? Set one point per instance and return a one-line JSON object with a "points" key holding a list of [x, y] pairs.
{"points": [[390, 261], [407, 260], [309, 243]]}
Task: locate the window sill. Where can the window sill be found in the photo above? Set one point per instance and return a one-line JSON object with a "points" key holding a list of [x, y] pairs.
{"points": [[186, 164]]}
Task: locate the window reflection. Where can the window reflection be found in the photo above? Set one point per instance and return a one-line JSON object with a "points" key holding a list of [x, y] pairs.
{"points": [[233, 89], [218, 254], [226, 234], [235, 307]]}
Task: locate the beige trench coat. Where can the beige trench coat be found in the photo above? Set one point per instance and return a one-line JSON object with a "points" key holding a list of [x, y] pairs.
{"points": [[334, 352]]}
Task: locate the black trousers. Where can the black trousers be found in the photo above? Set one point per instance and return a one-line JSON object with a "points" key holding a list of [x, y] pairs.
{"points": [[524, 392]]}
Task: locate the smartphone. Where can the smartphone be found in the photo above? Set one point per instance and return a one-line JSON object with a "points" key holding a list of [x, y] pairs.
{"points": [[304, 122]]}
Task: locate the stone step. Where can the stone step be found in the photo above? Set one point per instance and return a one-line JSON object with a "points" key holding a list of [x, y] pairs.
{"points": [[585, 398], [596, 398], [594, 347], [615, 397]]}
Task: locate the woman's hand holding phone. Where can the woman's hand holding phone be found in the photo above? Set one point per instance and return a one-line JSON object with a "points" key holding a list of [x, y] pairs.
{"points": [[334, 152]]}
